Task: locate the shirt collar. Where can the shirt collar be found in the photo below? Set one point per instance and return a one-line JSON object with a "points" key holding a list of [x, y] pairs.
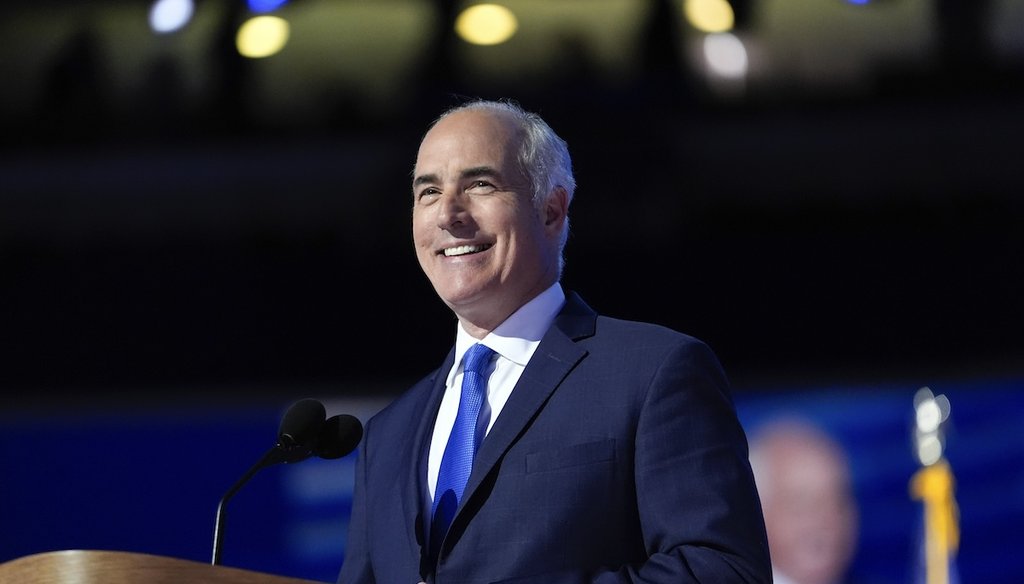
{"points": [[515, 338]]}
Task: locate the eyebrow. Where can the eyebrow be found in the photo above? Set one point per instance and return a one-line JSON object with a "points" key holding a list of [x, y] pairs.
{"points": [[474, 172], [424, 179], [478, 171]]}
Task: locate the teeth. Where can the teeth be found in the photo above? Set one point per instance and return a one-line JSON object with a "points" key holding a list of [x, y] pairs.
{"points": [[464, 249]]}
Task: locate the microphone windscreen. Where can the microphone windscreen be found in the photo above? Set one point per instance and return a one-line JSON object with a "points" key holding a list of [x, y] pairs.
{"points": [[302, 424], [340, 435]]}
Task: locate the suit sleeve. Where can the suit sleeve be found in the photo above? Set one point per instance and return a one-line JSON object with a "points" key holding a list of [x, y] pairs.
{"points": [[355, 568], [699, 509]]}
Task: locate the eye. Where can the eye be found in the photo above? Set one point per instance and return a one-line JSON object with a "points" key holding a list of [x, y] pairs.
{"points": [[427, 193], [481, 187]]}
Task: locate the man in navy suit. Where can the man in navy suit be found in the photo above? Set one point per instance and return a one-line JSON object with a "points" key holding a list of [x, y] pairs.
{"points": [[609, 450]]}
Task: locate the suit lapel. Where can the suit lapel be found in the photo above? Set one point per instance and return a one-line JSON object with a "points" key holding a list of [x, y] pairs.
{"points": [[415, 496], [555, 357]]}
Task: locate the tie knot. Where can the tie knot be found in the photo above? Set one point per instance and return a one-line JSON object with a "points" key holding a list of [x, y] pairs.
{"points": [[477, 358]]}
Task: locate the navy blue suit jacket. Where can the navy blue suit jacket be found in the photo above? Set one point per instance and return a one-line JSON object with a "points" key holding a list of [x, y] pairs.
{"points": [[617, 458]]}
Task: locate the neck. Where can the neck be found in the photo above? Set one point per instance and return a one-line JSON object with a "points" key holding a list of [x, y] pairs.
{"points": [[480, 322]]}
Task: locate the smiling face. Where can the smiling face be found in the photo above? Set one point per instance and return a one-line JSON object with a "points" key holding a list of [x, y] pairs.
{"points": [[480, 240]]}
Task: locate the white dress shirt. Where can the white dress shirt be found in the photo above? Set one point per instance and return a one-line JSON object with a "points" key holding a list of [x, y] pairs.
{"points": [[514, 341]]}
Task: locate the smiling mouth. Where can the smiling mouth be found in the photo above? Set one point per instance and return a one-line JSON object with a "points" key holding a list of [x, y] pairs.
{"points": [[465, 250]]}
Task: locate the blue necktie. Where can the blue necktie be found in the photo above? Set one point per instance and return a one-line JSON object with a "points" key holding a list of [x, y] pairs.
{"points": [[465, 438]]}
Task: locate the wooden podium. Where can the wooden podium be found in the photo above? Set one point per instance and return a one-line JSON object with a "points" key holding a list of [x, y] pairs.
{"points": [[109, 567]]}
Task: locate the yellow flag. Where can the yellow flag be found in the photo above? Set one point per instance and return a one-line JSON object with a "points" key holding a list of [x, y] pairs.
{"points": [[933, 485]]}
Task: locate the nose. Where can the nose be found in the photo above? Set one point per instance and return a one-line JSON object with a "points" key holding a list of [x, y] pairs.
{"points": [[451, 210]]}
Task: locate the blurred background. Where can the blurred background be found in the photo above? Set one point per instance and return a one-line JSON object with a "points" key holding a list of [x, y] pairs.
{"points": [[204, 216]]}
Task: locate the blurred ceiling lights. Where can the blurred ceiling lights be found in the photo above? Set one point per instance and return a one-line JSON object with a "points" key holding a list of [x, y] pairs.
{"points": [[262, 36], [710, 16], [311, 59], [486, 24], [481, 24], [166, 16]]}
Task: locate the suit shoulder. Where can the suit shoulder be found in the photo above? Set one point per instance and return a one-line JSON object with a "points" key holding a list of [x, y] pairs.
{"points": [[647, 331], [412, 398], [654, 341]]}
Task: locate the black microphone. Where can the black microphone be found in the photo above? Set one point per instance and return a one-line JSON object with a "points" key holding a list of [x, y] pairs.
{"points": [[339, 436], [299, 431], [303, 431]]}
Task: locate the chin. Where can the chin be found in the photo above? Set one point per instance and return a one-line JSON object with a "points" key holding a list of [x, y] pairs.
{"points": [[463, 298]]}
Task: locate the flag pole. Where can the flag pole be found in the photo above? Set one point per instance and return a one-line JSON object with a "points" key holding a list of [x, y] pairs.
{"points": [[933, 484]]}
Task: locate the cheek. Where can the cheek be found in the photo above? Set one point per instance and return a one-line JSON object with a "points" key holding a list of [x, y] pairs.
{"points": [[420, 231]]}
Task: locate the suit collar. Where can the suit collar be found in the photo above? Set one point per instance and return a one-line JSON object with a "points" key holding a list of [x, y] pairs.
{"points": [[576, 319]]}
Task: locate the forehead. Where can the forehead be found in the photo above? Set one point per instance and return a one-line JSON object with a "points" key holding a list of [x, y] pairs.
{"points": [[468, 138]]}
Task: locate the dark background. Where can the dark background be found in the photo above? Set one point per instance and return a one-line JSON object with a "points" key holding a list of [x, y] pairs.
{"points": [[179, 264], [867, 230]]}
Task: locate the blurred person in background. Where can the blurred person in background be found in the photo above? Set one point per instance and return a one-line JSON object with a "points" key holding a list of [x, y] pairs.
{"points": [[804, 480]]}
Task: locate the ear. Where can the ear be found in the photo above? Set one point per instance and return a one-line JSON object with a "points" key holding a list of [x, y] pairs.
{"points": [[556, 208]]}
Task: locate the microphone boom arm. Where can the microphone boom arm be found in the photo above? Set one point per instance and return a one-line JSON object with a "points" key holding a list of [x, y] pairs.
{"points": [[303, 432], [275, 455]]}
